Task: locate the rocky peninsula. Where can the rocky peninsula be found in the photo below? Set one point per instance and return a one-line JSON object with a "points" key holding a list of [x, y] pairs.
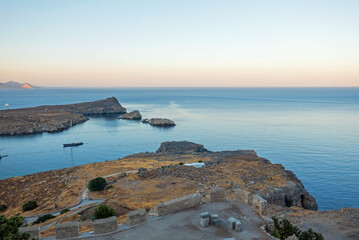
{"points": [[54, 118], [144, 180]]}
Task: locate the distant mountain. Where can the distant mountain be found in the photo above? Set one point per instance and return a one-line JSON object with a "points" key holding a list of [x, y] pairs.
{"points": [[12, 84]]}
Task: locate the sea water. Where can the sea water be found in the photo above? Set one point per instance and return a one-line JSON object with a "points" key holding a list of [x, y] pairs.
{"points": [[313, 132]]}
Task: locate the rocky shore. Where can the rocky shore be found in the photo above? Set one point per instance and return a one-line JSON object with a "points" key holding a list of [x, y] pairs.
{"points": [[54, 118]]}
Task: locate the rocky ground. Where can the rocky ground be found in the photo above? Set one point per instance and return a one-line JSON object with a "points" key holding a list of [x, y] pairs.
{"points": [[53, 118], [156, 177]]}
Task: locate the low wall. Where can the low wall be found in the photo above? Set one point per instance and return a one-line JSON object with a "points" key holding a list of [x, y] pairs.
{"points": [[178, 204], [67, 230], [33, 231], [216, 194], [136, 217], [105, 225]]}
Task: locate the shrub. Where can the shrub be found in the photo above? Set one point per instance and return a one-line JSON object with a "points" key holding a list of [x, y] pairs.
{"points": [[200, 161], [283, 229], [30, 205], [104, 211], [44, 218], [97, 184], [3, 207], [9, 228], [181, 163], [64, 211]]}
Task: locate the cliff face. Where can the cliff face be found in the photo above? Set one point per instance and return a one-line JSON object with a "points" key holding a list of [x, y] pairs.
{"points": [[54, 118]]}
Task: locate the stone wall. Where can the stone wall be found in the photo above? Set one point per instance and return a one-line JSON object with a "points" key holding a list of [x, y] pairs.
{"points": [[257, 202], [243, 196], [67, 230], [33, 231], [216, 194], [105, 225], [178, 204], [260, 205], [136, 217]]}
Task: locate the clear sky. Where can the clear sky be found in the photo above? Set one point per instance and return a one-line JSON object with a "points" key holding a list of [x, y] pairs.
{"points": [[180, 43]]}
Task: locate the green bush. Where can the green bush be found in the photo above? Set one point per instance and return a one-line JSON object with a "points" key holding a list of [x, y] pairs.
{"points": [[104, 211], [181, 163], [64, 211], [283, 229], [9, 228], [44, 218], [3, 207], [30, 205], [288, 202], [200, 161], [97, 184]]}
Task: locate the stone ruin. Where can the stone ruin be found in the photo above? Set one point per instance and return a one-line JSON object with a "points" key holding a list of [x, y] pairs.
{"points": [[178, 204], [216, 194], [206, 219], [33, 231], [136, 217], [105, 225], [257, 202], [67, 230]]}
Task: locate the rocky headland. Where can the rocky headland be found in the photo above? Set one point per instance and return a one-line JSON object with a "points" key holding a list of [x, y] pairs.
{"points": [[17, 85], [54, 118], [144, 180]]}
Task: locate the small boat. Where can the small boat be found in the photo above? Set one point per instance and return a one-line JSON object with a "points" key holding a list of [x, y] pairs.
{"points": [[2, 156], [73, 144]]}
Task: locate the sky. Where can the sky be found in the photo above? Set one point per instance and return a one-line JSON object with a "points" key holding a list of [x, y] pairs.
{"points": [[180, 43]]}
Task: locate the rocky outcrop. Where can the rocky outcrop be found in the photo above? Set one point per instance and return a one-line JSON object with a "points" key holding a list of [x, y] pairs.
{"points": [[134, 115], [12, 84], [159, 122], [180, 147], [54, 118]]}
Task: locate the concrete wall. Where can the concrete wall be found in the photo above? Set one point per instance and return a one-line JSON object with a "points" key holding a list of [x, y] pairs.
{"points": [[243, 196], [178, 204], [67, 230], [260, 205], [105, 225], [136, 217], [33, 231], [216, 194]]}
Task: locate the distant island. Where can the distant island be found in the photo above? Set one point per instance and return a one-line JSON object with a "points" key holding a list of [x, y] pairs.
{"points": [[12, 84]]}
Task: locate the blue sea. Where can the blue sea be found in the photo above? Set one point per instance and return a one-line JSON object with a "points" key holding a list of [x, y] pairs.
{"points": [[313, 132]]}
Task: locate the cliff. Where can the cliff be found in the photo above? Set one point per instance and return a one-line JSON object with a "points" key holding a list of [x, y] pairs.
{"points": [[54, 118]]}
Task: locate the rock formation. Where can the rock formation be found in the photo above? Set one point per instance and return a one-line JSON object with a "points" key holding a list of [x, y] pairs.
{"points": [[180, 147], [134, 115], [159, 122], [12, 84], [54, 118]]}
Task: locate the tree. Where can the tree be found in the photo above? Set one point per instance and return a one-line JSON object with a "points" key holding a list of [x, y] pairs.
{"points": [[3, 207], [30, 205], [9, 228], [97, 184], [104, 211]]}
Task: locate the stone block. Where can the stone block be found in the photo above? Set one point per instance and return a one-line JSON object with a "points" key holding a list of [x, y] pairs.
{"points": [[232, 222], [213, 219], [269, 225], [243, 196], [67, 230], [136, 217], [216, 194], [33, 231], [105, 225], [204, 222], [260, 205], [238, 226], [205, 215], [293, 237], [178, 204]]}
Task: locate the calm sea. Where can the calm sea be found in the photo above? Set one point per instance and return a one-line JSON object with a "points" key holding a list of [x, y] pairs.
{"points": [[312, 131]]}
